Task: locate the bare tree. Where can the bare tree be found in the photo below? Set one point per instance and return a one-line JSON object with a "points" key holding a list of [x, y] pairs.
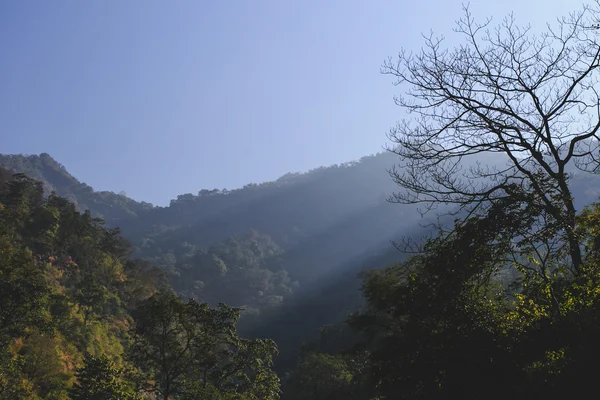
{"points": [[532, 98]]}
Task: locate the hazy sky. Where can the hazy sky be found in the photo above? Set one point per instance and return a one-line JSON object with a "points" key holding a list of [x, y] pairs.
{"points": [[159, 98]]}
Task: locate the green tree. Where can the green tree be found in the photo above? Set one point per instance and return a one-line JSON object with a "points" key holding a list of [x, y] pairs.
{"points": [[189, 350], [101, 379], [92, 297], [54, 264], [320, 377], [438, 325], [25, 293], [463, 318]]}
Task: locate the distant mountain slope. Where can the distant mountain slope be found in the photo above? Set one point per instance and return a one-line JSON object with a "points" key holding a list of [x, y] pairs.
{"points": [[293, 207], [289, 250], [321, 219], [112, 207], [324, 222]]}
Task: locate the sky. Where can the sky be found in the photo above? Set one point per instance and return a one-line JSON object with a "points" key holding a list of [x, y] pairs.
{"points": [[159, 98]]}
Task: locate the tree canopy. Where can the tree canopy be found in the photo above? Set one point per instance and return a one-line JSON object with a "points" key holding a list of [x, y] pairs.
{"points": [[80, 320]]}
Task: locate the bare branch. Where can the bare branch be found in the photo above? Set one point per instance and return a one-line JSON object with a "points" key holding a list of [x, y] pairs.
{"points": [[506, 107]]}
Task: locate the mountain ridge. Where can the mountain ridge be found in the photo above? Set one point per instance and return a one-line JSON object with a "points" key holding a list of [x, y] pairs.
{"points": [[277, 248], [325, 226]]}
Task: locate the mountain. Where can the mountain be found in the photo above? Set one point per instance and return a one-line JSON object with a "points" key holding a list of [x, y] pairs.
{"points": [[265, 247], [294, 210], [288, 251], [80, 320], [112, 207], [320, 219]]}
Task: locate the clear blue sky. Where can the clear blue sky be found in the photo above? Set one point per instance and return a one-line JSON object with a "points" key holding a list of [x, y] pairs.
{"points": [[159, 98]]}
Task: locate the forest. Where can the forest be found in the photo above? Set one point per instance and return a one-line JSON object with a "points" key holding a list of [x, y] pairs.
{"points": [[464, 262]]}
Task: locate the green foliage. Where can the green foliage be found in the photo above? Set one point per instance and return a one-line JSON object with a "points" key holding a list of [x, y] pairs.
{"points": [[480, 311], [25, 293], [63, 288], [280, 250], [320, 377], [72, 303], [54, 178], [242, 271], [451, 323], [189, 350], [101, 379]]}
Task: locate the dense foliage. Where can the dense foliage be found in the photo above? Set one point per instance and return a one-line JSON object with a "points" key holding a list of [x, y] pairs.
{"points": [[112, 207], [80, 320], [275, 249], [245, 271], [475, 309], [459, 321]]}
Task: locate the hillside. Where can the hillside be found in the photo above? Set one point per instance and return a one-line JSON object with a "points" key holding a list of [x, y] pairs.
{"points": [[264, 246], [80, 320], [288, 251], [113, 208], [342, 203]]}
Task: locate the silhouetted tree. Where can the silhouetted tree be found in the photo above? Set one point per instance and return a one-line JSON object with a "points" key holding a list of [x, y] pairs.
{"points": [[531, 98]]}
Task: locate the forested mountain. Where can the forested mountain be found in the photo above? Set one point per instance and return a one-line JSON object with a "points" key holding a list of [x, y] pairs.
{"points": [[318, 220], [289, 252], [78, 313], [113, 208], [261, 247], [79, 319]]}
